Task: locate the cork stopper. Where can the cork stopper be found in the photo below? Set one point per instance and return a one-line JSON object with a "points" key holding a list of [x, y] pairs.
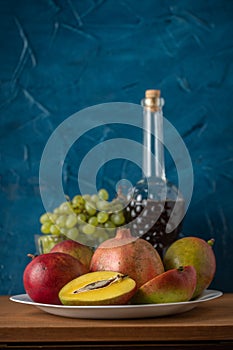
{"points": [[152, 100], [152, 94]]}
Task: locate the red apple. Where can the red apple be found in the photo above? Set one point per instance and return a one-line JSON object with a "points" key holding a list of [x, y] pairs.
{"points": [[46, 274]]}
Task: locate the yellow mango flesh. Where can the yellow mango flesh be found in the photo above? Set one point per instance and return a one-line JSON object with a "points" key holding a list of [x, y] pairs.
{"points": [[115, 293]]}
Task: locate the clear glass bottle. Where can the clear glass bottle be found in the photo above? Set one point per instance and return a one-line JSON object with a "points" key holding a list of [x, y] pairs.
{"points": [[151, 212]]}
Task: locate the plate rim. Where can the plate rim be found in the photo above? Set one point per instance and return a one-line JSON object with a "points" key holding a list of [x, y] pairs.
{"points": [[207, 295]]}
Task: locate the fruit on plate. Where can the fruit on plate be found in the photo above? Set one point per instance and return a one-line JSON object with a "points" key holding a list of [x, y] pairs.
{"points": [[128, 255], [98, 288], [172, 286], [196, 252], [47, 273], [78, 250]]}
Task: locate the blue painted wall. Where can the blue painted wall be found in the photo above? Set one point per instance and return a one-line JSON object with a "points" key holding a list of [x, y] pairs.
{"points": [[58, 57]]}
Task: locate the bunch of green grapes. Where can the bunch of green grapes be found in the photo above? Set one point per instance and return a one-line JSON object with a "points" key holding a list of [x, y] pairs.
{"points": [[89, 219]]}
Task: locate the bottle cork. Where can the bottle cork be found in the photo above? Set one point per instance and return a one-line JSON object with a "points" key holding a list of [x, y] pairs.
{"points": [[152, 100], [152, 94]]}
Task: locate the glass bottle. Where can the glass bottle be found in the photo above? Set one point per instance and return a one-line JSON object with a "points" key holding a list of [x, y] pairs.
{"points": [[151, 212]]}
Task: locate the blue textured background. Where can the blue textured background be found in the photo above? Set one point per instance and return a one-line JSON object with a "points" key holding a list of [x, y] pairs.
{"points": [[58, 57]]}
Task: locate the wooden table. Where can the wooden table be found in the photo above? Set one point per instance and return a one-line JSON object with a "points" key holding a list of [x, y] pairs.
{"points": [[208, 326]]}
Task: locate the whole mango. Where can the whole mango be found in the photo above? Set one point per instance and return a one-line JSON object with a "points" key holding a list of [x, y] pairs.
{"points": [[196, 252]]}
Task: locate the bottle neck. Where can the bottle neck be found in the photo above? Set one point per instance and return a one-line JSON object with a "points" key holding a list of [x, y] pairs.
{"points": [[153, 150]]}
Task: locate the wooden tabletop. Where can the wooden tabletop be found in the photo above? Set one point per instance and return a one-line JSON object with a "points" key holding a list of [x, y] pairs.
{"points": [[212, 320]]}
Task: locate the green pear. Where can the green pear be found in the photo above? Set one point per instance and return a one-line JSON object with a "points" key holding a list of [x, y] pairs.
{"points": [[196, 252], [172, 286]]}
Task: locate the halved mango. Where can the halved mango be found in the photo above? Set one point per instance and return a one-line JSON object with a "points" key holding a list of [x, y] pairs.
{"points": [[98, 288]]}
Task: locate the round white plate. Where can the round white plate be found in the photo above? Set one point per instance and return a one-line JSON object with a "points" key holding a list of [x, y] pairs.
{"points": [[119, 311]]}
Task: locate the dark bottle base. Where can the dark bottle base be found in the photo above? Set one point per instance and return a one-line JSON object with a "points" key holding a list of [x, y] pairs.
{"points": [[155, 221]]}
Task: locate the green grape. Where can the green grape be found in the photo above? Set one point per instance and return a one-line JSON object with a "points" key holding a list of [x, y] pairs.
{"points": [[45, 218], [73, 233], [78, 204], [45, 228], [118, 219], [101, 235], [94, 198], [66, 208], [109, 225], [102, 217], [64, 230], [93, 221], [56, 211], [103, 194], [77, 210], [117, 207], [71, 221], [86, 197], [46, 243], [103, 205], [99, 230], [61, 220], [88, 229], [53, 217], [78, 201], [54, 230], [81, 218], [90, 208]]}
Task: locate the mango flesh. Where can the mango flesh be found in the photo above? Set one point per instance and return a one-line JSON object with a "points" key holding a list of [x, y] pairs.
{"points": [[196, 252], [176, 285], [98, 288]]}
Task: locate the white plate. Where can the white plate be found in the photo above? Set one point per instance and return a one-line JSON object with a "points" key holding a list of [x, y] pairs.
{"points": [[119, 311]]}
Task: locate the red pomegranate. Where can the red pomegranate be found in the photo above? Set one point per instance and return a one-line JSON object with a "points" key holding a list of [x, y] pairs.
{"points": [[46, 274], [129, 255]]}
